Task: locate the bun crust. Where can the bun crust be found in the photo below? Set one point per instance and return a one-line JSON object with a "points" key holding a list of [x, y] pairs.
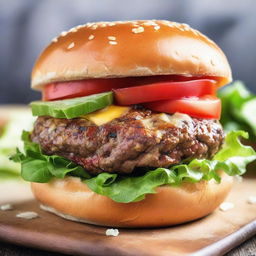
{"points": [[130, 48], [72, 199]]}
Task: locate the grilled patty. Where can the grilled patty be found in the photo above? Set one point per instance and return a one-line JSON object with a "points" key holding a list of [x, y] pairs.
{"points": [[139, 139]]}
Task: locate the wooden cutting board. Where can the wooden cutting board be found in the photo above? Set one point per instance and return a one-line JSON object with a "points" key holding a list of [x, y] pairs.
{"points": [[213, 235]]}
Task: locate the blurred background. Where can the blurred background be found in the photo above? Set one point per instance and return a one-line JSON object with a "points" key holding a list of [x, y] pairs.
{"points": [[27, 26]]}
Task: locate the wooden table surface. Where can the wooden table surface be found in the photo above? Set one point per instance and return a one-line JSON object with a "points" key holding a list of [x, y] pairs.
{"points": [[248, 248]]}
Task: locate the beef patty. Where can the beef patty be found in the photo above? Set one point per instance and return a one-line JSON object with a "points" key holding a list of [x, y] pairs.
{"points": [[140, 138]]}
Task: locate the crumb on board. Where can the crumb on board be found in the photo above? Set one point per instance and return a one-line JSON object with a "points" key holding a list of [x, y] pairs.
{"points": [[27, 215], [6, 207], [112, 232], [226, 206]]}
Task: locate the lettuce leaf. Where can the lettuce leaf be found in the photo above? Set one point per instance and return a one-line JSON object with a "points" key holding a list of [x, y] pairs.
{"points": [[37, 167], [232, 158], [238, 108]]}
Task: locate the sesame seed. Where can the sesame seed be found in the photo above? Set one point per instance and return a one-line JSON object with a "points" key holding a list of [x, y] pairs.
{"points": [[79, 26], [73, 29], [94, 26], [111, 24], [195, 32], [112, 38], [55, 40], [71, 45], [157, 27], [149, 23], [89, 24], [165, 22], [138, 30], [91, 37], [176, 25], [186, 26], [112, 42], [63, 33]]}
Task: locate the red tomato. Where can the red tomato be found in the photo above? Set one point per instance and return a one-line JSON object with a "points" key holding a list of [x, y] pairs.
{"points": [[203, 107], [164, 90], [72, 89]]}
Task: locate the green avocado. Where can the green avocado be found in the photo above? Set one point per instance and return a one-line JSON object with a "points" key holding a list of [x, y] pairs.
{"points": [[71, 108]]}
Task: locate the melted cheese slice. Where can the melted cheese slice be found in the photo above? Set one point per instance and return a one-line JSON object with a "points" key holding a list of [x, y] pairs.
{"points": [[107, 114]]}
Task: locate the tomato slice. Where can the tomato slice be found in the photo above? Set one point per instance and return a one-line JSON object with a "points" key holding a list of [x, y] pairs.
{"points": [[164, 90], [204, 107], [72, 89]]}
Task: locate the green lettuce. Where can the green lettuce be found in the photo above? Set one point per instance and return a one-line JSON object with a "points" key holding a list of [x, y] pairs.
{"points": [[232, 158], [37, 167], [238, 109]]}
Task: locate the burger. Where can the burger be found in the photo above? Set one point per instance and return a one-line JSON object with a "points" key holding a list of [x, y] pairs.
{"points": [[127, 131]]}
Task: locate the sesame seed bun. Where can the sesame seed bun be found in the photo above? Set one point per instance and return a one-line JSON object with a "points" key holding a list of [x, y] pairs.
{"points": [[130, 48], [73, 200]]}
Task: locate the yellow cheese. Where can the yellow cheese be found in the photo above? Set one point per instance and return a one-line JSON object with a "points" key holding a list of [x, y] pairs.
{"points": [[107, 114]]}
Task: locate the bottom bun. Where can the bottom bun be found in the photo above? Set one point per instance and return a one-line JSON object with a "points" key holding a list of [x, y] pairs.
{"points": [[73, 200]]}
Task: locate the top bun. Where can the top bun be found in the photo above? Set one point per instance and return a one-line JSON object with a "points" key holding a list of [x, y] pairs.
{"points": [[130, 48]]}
